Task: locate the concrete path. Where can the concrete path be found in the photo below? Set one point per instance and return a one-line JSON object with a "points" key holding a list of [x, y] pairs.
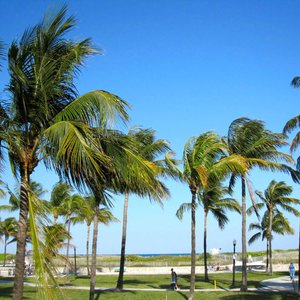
{"points": [[281, 284]]}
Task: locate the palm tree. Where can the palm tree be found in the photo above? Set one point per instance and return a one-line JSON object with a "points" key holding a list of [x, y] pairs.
{"points": [[205, 159], [275, 196], [125, 167], [59, 193], [63, 203], [54, 236], [71, 206], [45, 120], [8, 228], [211, 198], [259, 147], [280, 225], [86, 214], [148, 149]]}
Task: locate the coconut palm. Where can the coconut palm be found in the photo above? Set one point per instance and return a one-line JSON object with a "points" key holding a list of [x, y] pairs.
{"points": [[205, 159], [8, 228], [59, 193], [211, 198], [280, 225], [86, 214], [70, 207], [66, 204], [277, 195], [149, 149], [259, 147], [54, 237], [44, 119], [125, 167]]}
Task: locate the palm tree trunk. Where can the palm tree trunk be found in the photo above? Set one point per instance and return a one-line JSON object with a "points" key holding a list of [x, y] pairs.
{"points": [[270, 240], [193, 246], [21, 237], [267, 264], [244, 242], [94, 256], [5, 245], [68, 245], [68, 249], [205, 246], [87, 249], [123, 243]]}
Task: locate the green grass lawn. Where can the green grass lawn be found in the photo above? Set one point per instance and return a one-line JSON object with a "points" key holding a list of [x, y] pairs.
{"points": [[223, 280]]}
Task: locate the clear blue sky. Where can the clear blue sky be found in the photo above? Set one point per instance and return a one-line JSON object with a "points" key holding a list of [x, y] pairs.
{"points": [[185, 67]]}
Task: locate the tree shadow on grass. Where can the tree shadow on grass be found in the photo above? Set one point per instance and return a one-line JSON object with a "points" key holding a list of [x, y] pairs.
{"points": [[98, 294], [6, 292]]}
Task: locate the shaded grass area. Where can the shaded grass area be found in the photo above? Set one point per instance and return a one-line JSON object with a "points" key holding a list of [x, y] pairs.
{"points": [[31, 293]]}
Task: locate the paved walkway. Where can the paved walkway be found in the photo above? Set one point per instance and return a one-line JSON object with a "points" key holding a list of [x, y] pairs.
{"points": [[281, 284]]}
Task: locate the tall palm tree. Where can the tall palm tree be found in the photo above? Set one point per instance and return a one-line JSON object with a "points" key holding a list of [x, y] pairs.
{"points": [[280, 225], [8, 228], [149, 149], [277, 195], [70, 207], [204, 157], [125, 167], [211, 198], [259, 147], [86, 214], [44, 119]]}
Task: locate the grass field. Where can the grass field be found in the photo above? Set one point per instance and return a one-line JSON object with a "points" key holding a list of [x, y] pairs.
{"points": [[223, 280]]}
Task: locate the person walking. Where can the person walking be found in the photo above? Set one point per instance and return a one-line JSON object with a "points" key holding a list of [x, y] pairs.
{"points": [[174, 280], [292, 271]]}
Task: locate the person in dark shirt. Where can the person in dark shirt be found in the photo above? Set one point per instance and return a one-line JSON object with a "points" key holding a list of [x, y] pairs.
{"points": [[174, 280]]}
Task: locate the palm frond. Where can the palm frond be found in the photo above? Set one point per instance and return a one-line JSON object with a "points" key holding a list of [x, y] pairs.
{"points": [[182, 209]]}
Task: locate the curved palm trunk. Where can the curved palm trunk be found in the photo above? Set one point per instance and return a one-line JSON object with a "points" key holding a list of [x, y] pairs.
{"points": [[94, 256], [270, 241], [21, 237], [244, 242], [193, 246], [123, 243], [205, 246], [87, 249]]}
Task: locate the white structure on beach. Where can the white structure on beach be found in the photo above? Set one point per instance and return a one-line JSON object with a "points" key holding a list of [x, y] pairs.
{"points": [[215, 251]]}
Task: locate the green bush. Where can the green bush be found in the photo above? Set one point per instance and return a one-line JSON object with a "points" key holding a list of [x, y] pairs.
{"points": [[132, 258]]}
